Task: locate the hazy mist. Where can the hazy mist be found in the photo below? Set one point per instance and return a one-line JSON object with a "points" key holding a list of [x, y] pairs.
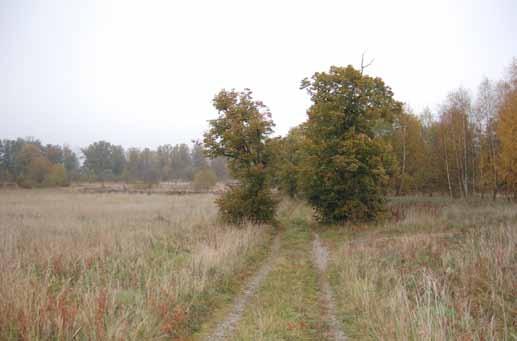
{"points": [[143, 73]]}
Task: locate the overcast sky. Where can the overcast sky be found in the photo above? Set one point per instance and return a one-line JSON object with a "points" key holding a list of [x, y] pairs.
{"points": [[143, 73]]}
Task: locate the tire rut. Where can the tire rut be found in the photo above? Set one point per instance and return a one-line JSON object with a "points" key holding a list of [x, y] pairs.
{"points": [[225, 328], [320, 258]]}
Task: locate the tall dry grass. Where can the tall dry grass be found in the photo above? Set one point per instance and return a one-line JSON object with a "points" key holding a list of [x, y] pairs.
{"points": [[100, 266], [437, 274]]}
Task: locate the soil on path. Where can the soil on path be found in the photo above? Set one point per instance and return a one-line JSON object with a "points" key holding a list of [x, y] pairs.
{"points": [[225, 328], [320, 258]]}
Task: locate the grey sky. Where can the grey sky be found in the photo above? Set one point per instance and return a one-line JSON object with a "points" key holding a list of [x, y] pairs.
{"points": [[143, 73]]}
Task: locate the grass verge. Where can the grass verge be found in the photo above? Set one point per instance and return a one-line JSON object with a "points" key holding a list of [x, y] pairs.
{"points": [[286, 307]]}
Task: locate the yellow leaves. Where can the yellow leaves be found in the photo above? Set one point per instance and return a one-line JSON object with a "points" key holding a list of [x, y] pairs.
{"points": [[507, 133]]}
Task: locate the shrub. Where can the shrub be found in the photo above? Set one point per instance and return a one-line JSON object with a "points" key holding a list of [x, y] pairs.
{"points": [[56, 176], [204, 179], [242, 204], [23, 182]]}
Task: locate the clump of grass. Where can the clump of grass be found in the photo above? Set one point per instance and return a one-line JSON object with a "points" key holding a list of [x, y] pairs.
{"points": [[447, 274], [100, 266]]}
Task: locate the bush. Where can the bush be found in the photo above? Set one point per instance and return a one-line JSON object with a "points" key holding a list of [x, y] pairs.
{"points": [[23, 182], [242, 204], [204, 179], [56, 176], [39, 168]]}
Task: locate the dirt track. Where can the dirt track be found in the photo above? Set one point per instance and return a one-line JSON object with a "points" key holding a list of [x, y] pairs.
{"points": [[320, 258], [225, 328]]}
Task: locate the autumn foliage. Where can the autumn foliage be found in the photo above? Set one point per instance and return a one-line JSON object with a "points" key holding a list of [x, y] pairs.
{"points": [[507, 133], [240, 133], [345, 170]]}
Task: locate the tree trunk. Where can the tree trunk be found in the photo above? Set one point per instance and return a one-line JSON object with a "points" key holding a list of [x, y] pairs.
{"points": [[494, 166], [459, 170], [447, 166], [403, 171], [465, 159]]}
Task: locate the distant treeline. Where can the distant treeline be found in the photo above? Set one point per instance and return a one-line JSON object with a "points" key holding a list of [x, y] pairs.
{"points": [[467, 147], [30, 163]]}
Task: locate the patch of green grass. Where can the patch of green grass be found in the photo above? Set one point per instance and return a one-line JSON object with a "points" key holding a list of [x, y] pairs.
{"points": [[286, 306]]}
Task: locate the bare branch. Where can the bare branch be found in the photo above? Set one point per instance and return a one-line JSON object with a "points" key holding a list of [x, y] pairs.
{"points": [[363, 66]]}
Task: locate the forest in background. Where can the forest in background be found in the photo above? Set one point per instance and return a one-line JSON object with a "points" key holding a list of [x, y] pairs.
{"points": [[466, 147], [30, 163]]}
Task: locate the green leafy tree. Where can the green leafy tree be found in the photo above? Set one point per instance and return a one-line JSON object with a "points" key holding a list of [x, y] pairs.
{"points": [[164, 155], [71, 163], [181, 162], [149, 169], [289, 157], [33, 166], [4, 170], [118, 160], [8, 160], [199, 161], [98, 159], [345, 170], [104, 160], [12, 149], [240, 133], [54, 153], [131, 173]]}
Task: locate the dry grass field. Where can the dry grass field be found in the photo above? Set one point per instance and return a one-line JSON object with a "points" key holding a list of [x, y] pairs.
{"points": [[447, 270], [115, 266], [106, 266], [439, 269]]}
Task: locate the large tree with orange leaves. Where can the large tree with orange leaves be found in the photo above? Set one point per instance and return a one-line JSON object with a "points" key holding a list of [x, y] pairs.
{"points": [[507, 133]]}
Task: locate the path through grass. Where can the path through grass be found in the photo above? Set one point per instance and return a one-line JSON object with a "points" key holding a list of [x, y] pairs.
{"points": [[226, 327], [439, 270], [287, 306]]}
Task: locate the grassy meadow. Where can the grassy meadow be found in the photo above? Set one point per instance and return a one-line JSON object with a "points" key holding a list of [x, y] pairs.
{"points": [[443, 270], [106, 266], [116, 266]]}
